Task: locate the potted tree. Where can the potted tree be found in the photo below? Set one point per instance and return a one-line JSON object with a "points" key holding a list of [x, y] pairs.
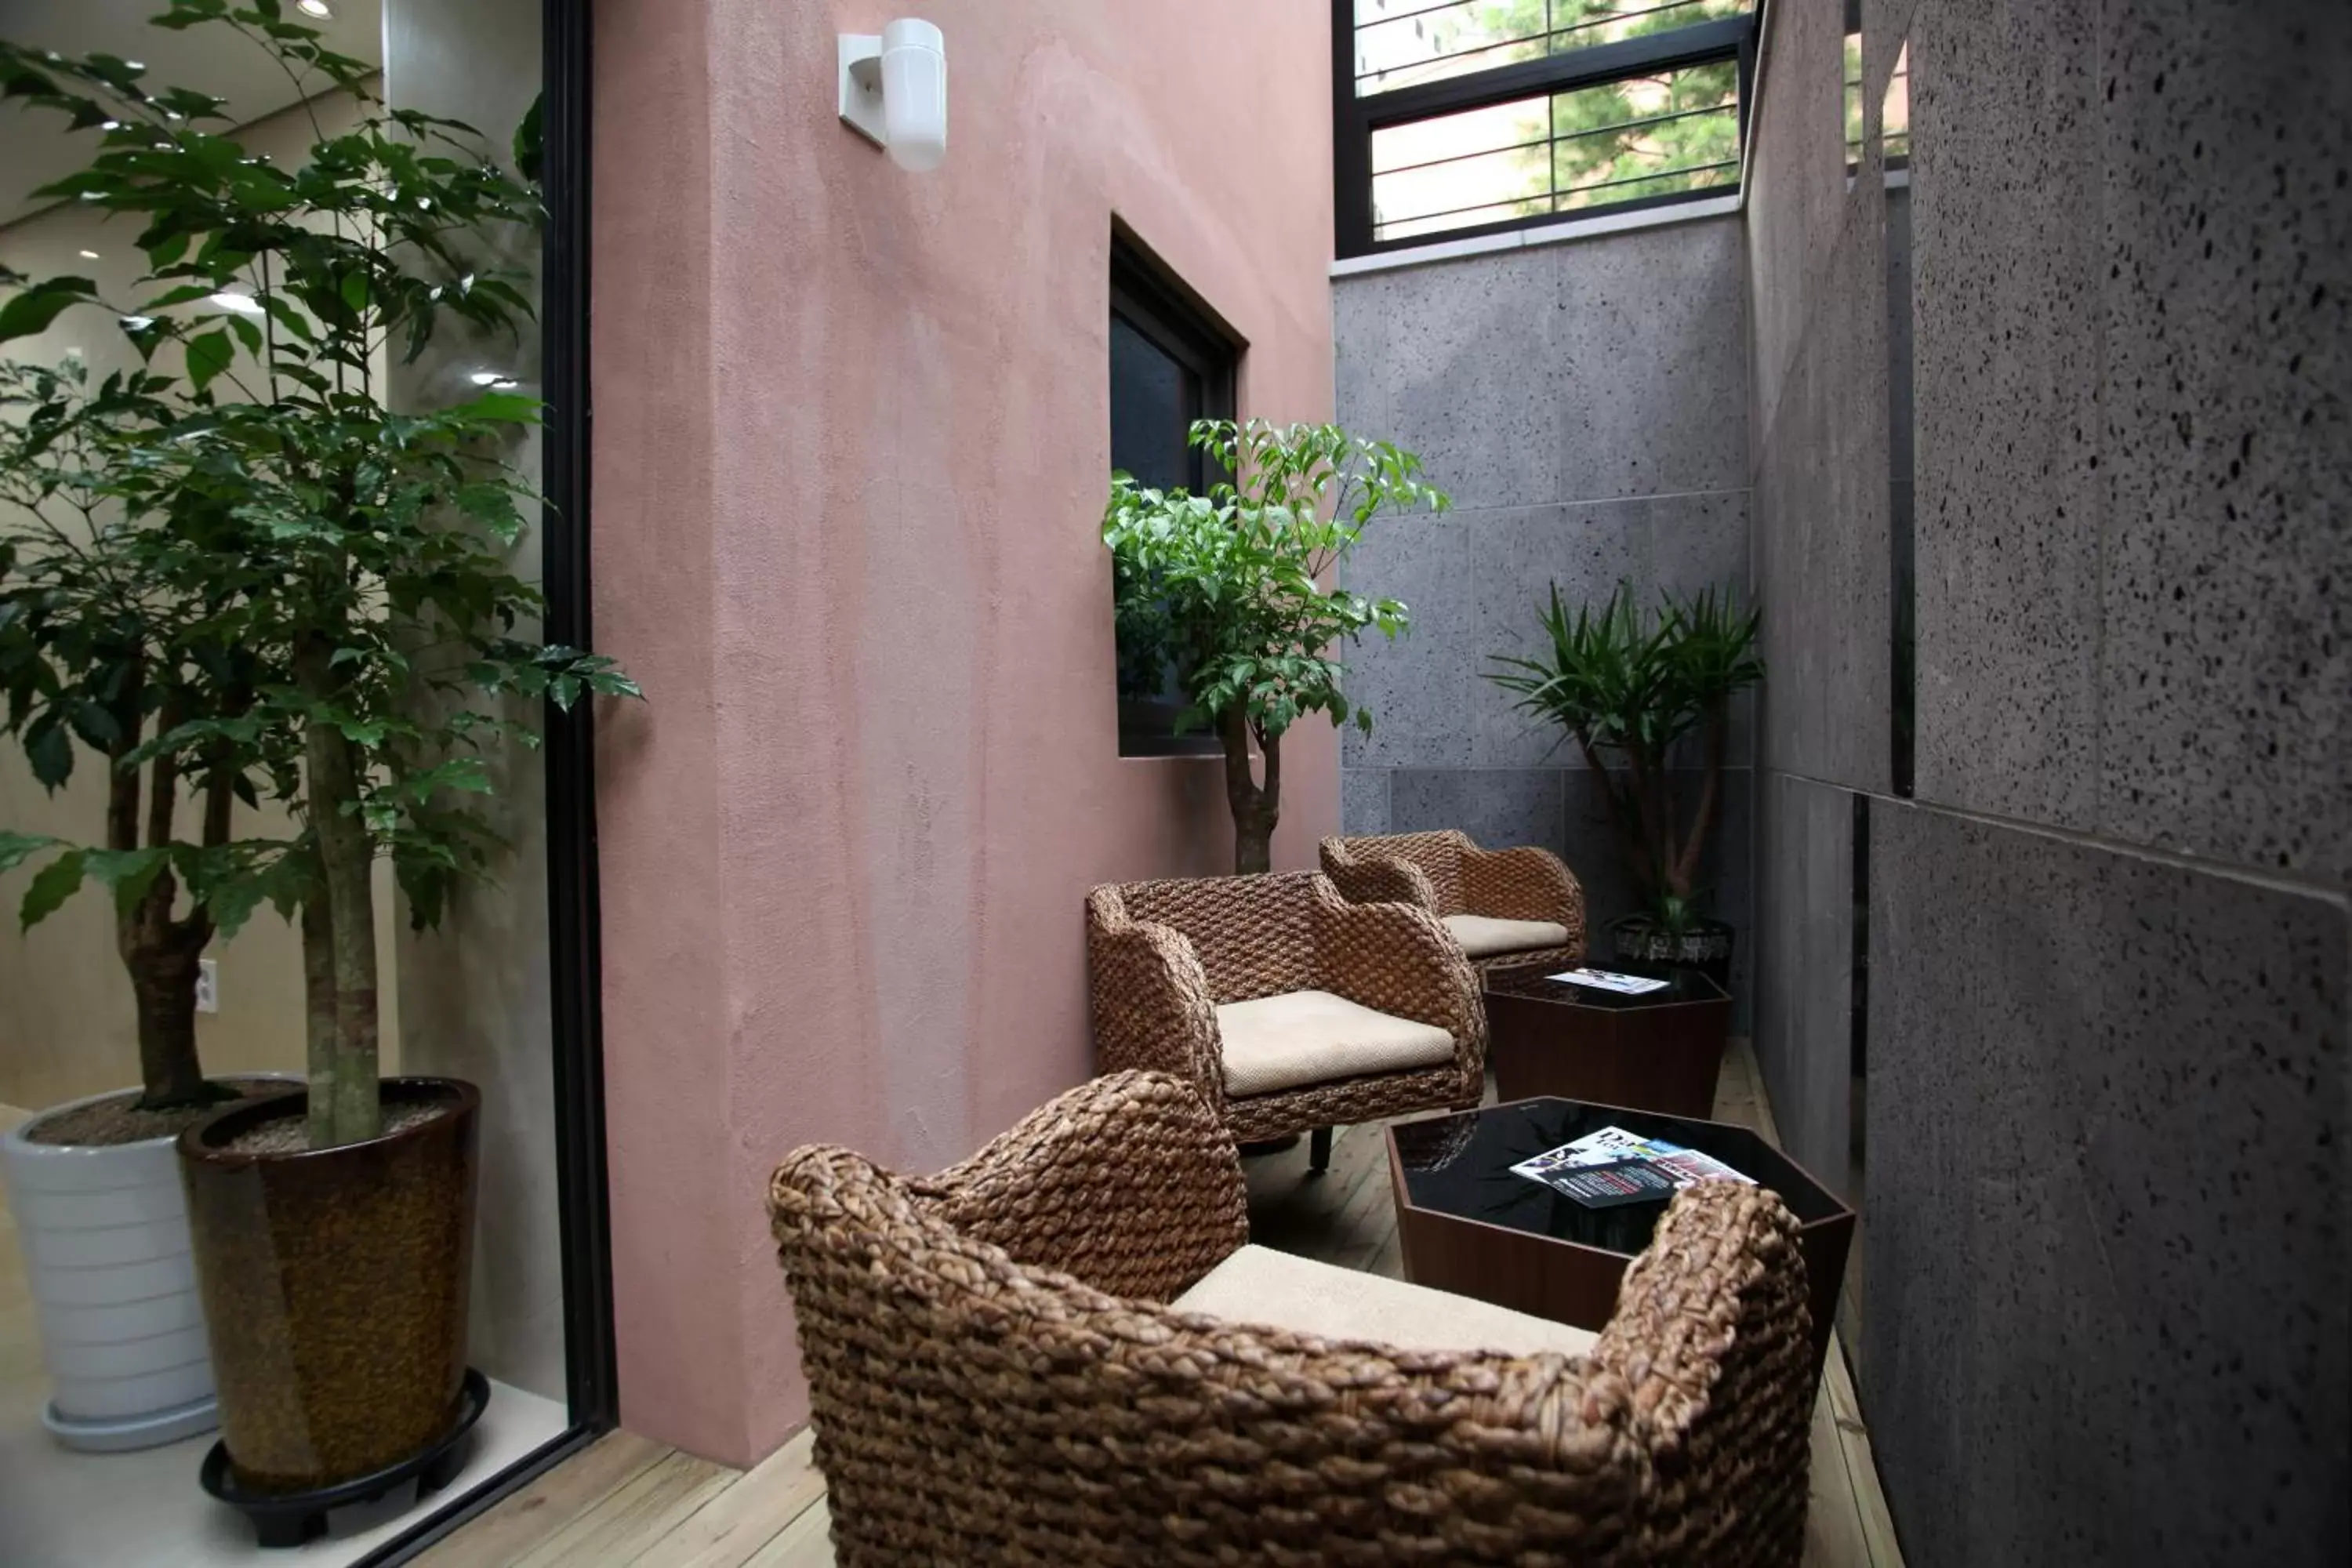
{"points": [[1629, 688], [332, 1226], [1226, 589], [108, 641]]}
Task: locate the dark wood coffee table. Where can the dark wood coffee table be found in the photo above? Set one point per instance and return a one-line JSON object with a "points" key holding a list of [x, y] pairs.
{"points": [[1660, 1050], [1470, 1224]]}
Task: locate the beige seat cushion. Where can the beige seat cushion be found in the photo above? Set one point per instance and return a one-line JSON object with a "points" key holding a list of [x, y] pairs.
{"points": [[1259, 1284], [1313, 1037], [1482, 937]]}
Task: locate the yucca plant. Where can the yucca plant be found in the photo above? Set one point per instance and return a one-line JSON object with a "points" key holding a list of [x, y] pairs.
{"points": [[1626, 685]]}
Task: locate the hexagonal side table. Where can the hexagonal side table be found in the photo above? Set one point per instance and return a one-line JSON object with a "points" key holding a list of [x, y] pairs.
{"points": [[1660, 1050], [1470, 1224]]}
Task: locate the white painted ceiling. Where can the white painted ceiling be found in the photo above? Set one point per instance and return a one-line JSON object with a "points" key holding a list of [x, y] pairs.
{"points": [[210, 59]]}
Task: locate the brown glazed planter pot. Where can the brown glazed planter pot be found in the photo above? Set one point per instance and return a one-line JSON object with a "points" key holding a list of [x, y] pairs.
{"points": [[336, 1284]]}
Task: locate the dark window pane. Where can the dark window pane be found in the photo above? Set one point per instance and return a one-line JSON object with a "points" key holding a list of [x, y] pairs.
{"points": [[1170, 366], [1153, 401]]}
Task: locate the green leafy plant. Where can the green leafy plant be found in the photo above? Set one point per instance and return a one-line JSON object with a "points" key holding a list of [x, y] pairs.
{"points": [[357, 554], [1627, 686], [112, 633], [1226, 589]]}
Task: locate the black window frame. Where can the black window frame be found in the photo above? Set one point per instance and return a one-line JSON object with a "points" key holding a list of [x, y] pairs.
{"points": [[1165, 314], [575, 957], [1354, 117], [1147, 296]]}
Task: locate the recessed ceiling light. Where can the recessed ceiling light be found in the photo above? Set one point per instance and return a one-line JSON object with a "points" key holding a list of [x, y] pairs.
{"points": [[314, 7], [90, 256]]}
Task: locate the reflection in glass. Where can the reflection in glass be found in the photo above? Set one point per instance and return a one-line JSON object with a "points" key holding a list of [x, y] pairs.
{"points": [[1902, 583], [1153, 401], [1400, 43], [1854, 89], [1664, 134], [1894, 111]]}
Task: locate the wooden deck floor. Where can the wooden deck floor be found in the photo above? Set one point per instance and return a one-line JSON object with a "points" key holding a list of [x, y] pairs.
{"points": [[627, 1502]]}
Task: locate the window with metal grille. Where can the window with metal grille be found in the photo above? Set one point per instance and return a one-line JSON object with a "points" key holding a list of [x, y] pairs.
{"points": [[1484, 115], [1895, 106]]}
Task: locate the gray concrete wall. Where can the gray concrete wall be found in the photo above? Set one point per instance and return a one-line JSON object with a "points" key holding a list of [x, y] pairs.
{"points": [[1584, 403], [2106, 1306]]}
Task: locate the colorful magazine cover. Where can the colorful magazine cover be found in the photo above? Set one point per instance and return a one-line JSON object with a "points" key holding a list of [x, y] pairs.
{"points": [[1610, 980], [1616, 1147]]}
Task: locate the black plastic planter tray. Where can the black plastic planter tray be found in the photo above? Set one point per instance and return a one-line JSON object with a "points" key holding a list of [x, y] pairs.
{"points": [[291, 1518]]}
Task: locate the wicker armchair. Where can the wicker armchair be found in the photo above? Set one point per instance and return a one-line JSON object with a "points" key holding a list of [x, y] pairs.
{"points": [[1504, 906], [996, 1381], [1284, 1006]]}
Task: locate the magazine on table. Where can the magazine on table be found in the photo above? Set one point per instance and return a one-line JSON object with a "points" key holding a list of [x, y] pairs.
{"points": [[1614, 1166], [1610, 980]]}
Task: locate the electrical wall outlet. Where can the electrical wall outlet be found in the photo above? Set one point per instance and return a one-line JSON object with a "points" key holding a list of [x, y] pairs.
{"points": [[207, 985]]}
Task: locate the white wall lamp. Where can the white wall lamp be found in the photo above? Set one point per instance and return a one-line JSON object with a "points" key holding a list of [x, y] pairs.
{"points": [[894, 91]]}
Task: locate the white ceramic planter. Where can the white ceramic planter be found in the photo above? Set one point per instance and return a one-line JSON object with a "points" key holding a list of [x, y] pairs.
{"points": [[105, 1238]]}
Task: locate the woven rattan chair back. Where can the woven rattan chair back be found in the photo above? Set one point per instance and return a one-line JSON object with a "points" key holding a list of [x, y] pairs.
{"points": [[1255, 936], [995, 1401], [1438, 854]]}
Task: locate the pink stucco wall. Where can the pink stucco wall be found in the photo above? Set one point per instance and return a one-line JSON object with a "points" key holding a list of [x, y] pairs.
{"points": [[850, 457]]}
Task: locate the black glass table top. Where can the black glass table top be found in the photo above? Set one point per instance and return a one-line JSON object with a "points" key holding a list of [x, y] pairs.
{"points": [[1460, 1166], [1533, 981]]}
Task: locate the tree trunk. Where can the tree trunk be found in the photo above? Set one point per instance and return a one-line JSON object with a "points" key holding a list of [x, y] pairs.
{"points": [[346, 859], [319, 1005], [1655, 844], [1685, 871], [163, 984], [158, 954], [1256, 809]]}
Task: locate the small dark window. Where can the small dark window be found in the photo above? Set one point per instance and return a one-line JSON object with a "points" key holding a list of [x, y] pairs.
{"points": [[1169, 364]]}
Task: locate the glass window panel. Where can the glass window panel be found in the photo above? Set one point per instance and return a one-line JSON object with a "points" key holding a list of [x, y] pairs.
{"points": [[1641, 188], [1444, 223], [1584, 24], [1473, 130], [1429, 43], [1400, 43], [1514, 174], [1852, 100], [1153, 401], [1662, 132], [1894, 116], [1645, 128]]}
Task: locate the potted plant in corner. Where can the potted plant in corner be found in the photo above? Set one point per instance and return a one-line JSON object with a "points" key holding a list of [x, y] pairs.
{"points": [[110, 640], [332, 1226], [1226, 590], [1629, 688]]}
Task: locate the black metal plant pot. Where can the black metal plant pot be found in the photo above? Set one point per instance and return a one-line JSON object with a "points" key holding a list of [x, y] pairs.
{"points": [[1704, 945]]}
